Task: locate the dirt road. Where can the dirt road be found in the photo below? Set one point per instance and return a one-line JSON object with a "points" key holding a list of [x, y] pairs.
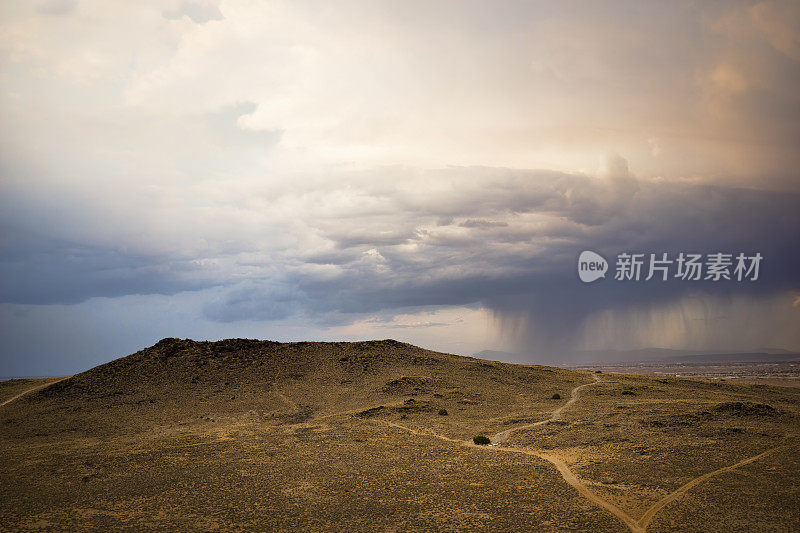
{"points": [[32, 389], [648, 516], [499, 438], [634, 525]]}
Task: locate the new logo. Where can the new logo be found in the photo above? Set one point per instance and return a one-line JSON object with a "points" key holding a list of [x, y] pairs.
{"points": [[591, 266]]}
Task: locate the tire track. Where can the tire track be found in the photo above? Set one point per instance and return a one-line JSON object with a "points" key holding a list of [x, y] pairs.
{"points": [[634, 525], [32, 389], [648, 515], [499, 438]]}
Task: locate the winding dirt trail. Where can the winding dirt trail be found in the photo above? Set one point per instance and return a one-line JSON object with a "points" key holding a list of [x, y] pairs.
{"points": [[648, 515], [32, 389], [428, 433], [634, 525], [499, 438], [570, 478]]}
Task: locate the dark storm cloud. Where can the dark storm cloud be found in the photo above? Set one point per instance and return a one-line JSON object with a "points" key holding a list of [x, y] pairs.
{"points": [[253, 300], [271, 155], [523, 265], [510, 243], [51, 271], [48, 256]]}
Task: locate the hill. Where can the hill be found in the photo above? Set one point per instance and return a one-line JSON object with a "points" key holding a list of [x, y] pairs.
{"points": [[260, 435], [178, 381]]}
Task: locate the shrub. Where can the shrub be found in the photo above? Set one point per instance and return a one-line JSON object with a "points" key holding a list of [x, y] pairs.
{"points": [[556, 396], [628, 393], [746, 409], [443, 412], [481, 440]]}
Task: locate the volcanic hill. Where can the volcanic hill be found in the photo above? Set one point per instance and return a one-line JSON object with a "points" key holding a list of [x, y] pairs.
{"points": [[259, 435]]}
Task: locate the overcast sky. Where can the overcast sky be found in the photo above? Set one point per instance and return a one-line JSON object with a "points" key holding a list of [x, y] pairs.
{"points": [[424, 171]]}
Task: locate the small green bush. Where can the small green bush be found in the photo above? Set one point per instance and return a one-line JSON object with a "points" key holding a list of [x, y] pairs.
{"points": [[481, 440], [443, 412], [556, 396]]}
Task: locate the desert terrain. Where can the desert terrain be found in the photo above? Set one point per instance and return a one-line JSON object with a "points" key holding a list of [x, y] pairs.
{"points": [[780, 373], [380, 435]]}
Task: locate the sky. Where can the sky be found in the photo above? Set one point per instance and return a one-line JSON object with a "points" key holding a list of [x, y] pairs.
{"points": [[423, 171]]}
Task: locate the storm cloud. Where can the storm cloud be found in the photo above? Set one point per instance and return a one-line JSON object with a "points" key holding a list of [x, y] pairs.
{"points": [[364, 169], [361, 249], [523, 266]]}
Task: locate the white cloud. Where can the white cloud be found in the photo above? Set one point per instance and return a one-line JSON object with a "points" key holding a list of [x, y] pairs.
{"points": [[288, 142]]}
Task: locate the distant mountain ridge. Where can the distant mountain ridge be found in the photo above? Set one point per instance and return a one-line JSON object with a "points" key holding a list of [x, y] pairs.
{"points": [[650, 355], [754, 357], [497, 355]]}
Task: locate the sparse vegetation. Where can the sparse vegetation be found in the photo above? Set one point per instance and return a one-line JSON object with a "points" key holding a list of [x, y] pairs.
{"points": [[297, 401], [481, 440], [406, 385], [745, 409], [371, 411]]}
